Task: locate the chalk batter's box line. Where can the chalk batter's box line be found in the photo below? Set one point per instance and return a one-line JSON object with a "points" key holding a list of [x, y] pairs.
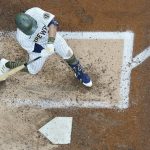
{"points": [[128, 38]]}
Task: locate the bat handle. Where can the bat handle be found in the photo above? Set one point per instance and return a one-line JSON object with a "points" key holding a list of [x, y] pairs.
{"points": [[32, 61]]}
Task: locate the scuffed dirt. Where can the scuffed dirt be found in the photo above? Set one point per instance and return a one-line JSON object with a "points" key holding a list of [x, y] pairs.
{"points": [[19, 131], [56, 80], [93, 129]]}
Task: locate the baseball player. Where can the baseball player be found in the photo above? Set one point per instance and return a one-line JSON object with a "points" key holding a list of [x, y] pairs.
{"points": [[37, 34]]}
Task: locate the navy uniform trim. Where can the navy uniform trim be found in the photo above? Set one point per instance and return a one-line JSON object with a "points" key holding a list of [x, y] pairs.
{"points": [[54, 22], [37, 48]]}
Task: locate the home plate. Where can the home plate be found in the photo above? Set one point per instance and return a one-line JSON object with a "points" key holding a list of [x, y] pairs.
{"points": [[58, 130]]}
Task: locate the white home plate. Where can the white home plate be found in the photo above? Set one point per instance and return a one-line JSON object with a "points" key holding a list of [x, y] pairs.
{"points": [[58, 130]]}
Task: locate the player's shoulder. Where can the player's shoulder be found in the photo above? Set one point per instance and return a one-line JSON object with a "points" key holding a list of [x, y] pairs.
{"points": [[20, 36]]}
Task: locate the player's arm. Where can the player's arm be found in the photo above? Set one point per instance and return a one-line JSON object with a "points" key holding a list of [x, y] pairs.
{"points": [[52, 33], [52, 30], [53, 26], [49, 50]]}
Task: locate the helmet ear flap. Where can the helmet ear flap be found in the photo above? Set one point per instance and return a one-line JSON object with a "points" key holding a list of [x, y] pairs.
{"points": [[26, 23]]}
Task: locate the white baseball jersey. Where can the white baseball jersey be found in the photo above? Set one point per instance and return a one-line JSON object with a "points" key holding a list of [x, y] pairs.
{"points": [[36, 42]]}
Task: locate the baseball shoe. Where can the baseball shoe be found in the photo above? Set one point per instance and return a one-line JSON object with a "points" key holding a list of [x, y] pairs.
{"points": [[3, 68], [81, 75]]}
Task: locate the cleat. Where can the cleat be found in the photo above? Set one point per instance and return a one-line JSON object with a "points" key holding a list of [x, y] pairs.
{"points": [[85, 80], [81, 75], [3, 68]]}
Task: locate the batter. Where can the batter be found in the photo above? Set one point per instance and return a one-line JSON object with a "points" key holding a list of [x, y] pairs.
{"points": [[37, 34]]}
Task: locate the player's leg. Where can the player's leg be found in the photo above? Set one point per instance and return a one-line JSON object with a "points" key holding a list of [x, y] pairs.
{"points": [[36, 66], [66, 53]]}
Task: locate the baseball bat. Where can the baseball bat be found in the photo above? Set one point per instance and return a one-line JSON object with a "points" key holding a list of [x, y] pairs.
{"points": [[15, 70]]}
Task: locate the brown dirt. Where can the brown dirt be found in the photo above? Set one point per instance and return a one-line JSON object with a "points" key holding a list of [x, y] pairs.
{"points": [[93, 129]]}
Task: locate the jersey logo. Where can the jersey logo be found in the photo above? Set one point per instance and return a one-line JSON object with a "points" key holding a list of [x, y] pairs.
{"points": [[40, 35], [46, 15]]}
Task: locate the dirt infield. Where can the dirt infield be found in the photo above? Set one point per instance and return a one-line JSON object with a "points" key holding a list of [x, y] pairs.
{"points": [[93, 129], [104, 73]]}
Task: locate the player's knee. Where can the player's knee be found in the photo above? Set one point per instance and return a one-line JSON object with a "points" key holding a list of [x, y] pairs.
{"points": [[69, 54], [33, 71]]}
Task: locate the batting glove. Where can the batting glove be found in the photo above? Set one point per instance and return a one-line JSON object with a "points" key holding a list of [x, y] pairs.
{"points": [[49, 50]]}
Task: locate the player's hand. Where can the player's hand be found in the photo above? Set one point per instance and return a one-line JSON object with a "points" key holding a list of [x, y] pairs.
{"points": [[49, 50], [50, 47]]}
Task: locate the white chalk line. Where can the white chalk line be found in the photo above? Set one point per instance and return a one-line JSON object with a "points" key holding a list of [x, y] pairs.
{"points": [[128, 38], [59, 104], [126, 71], [140, 58], [83, 35]]}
